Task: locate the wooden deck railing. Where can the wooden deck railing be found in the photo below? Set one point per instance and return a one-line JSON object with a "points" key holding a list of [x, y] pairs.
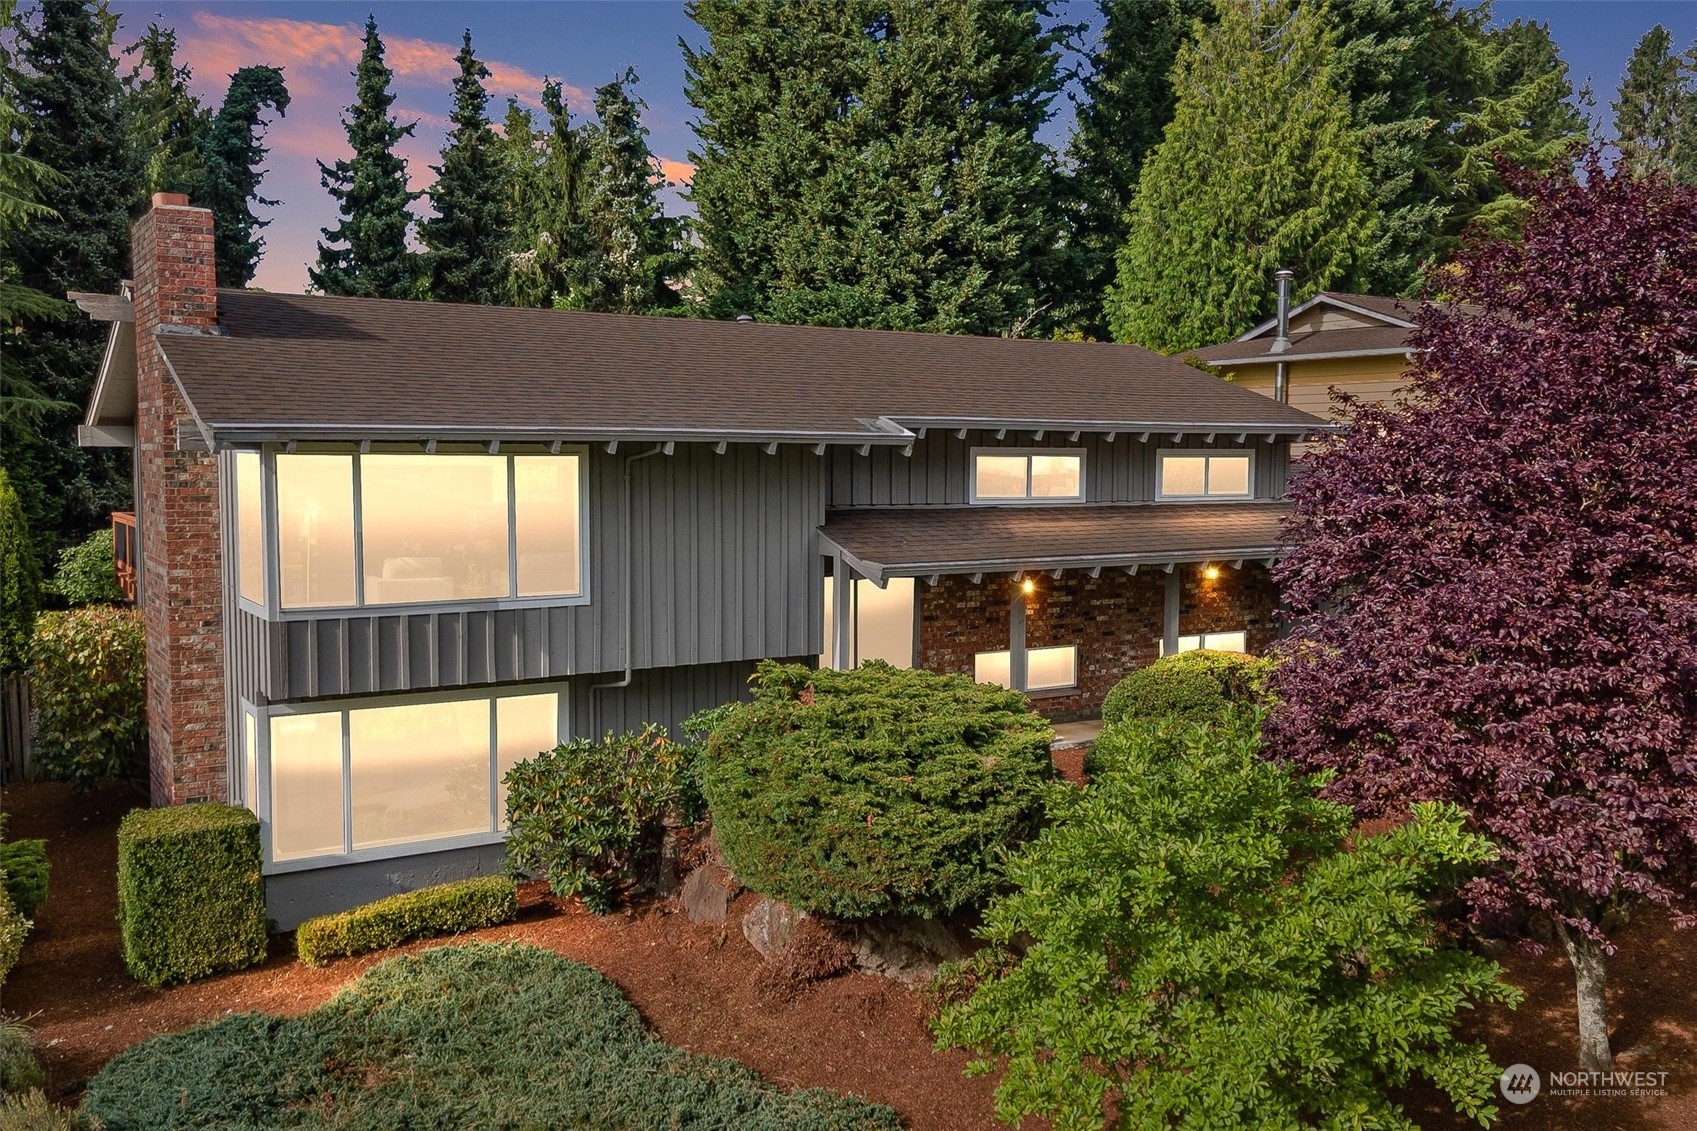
{"points": [[125, 552]]}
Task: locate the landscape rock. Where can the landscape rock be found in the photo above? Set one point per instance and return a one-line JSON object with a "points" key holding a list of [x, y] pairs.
{"points": [[707, 893], [769, 926], [905, 948]]}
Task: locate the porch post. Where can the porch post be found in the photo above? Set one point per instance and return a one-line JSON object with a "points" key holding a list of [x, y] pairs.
{"points": [[842, 615], [1169, 627], [1016, 636]]}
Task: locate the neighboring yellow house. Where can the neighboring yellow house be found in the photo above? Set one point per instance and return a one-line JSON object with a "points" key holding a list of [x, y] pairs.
{"points": [[1354, 343]]}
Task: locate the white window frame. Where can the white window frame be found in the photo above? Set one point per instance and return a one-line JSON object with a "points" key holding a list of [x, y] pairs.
{"points": [[273, 608], [349, 854], [1161, 455], [1029, 500]]}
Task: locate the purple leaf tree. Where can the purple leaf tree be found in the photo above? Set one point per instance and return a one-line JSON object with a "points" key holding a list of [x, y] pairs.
{"points": [[1494, 586]]}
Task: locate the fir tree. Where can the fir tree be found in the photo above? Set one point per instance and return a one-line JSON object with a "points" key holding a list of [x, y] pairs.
{"points": [[551, 237], [519, 151], [876, 164], [467, 238], [1128, 101], [366, 253], [1655, 114], [634, 248], [1259, 169], [73, 121], [229, 184], [170, 124]]}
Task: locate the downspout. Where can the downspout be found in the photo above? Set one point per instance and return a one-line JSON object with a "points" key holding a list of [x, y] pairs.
{"points": [[1281, 372], [630, 570]]}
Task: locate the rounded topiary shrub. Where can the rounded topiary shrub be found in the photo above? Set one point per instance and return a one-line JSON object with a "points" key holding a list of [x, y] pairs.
{"points": [[875, 791], [1192, 687]]}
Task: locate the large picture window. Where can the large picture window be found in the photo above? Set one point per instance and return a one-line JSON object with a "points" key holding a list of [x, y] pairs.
{"points": [[1006, 475], [1193, 474], [364, 780], [385, 529], [879, 621]]}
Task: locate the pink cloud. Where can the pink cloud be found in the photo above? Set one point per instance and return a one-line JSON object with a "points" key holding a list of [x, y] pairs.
{"points": [[678, 172]]}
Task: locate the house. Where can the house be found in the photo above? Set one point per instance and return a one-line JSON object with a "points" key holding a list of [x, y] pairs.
{"points": [[387, 549], [1357, 344]]}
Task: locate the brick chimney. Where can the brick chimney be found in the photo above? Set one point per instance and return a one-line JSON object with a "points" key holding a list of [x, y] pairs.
{"points": [[175, 292]]}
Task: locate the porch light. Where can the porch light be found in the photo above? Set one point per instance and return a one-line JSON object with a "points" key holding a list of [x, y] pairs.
{"points": [[1028, 587], [1211, 572]]}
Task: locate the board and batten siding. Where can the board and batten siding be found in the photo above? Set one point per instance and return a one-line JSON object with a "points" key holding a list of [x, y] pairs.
{"points": [[725, 568], [937, 473]]}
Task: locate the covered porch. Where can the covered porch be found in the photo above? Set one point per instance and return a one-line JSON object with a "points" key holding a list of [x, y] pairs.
{"points": [[1057, 602]]}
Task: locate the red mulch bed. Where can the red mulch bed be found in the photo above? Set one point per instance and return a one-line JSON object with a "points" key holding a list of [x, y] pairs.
{"points": [[700, 987]]}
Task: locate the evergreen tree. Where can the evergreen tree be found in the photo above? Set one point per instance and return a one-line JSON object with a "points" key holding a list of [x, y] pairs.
{"points": [[875, 164], [170, 124], [74, 121], [550, 234], [366, 253], [229, 183], [519, 151], [20, 582], [467, 239], [1259, 169], [1128, 101], [634, 248], [1656, 111], [1525, 115]]}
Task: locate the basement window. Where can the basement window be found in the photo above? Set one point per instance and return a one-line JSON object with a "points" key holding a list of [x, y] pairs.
{"points": [[1188, 473], [1046, 669], [1041, 475], [1215, 642]]}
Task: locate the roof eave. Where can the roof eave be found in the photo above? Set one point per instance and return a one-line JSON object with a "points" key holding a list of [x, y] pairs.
{"points": [[880, 572], [1274, 358]]}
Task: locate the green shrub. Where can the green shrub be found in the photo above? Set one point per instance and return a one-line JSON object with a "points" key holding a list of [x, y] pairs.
{"points": [[698, 728], [31, 1111], [88, 679], [86, 574], [19, 1069], [13, 927], [1194, 943], [444, 909], [191, 901], [587, 815], [875, 791], [1190, 687], [479, 1035], [20, 581], [24, 863]]}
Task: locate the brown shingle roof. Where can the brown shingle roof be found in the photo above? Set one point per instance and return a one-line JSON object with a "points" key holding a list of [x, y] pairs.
{"points": [[911, 541], [1356, 341], [299, 363]]}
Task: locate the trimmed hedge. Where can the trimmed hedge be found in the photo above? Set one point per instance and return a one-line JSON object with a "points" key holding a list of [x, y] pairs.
{"points": [[1198, 686], [480, 1035], [875, 791], [445, 909], [25, 865], [191, 900], [88, 678]]}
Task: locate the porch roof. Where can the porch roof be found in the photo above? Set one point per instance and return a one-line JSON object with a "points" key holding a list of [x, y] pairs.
{"points": [[886, 542]]}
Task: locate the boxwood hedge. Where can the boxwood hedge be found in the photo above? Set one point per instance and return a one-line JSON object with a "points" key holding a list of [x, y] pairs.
{"points": [[1197, 686], [875, 791], [443, 909], [191, 901], [481, 1035]]}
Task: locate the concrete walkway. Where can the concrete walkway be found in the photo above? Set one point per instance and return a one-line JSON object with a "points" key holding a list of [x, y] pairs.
{"points": [[1070, 735]]}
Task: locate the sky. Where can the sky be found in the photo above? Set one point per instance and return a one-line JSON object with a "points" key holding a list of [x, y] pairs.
{"points": [[585, 43]]}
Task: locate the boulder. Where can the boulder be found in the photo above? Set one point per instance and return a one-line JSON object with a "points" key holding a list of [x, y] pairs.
{"points": [[707, 893], [905, 948], [769, 926]]}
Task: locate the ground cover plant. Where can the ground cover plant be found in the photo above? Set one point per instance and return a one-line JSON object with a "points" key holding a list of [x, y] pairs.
{"points": [[442, 909], [1194, 943], [877, 790], [1492, 586], [588, 815], [497, 1036]]}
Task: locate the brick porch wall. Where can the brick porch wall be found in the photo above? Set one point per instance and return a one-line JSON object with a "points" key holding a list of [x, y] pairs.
{"points": [[181, 590], [1115, 619]]}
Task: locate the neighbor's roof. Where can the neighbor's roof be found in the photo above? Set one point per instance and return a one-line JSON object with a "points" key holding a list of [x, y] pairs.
{"points": [[1395, 318], [917, 541], [318, 365]]}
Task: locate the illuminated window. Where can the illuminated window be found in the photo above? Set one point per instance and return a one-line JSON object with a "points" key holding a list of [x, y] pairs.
{"points": [[368, 779], [1214, 641], [1046, 669], [1001, 475], [250, 527], [1194, 474], [993, 667], [432, 528], [880, 622]]}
